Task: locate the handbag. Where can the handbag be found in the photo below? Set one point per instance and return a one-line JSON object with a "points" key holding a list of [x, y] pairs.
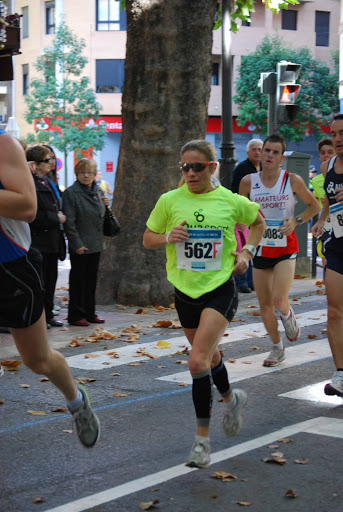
{"points": [[62, 248], [111, 224]]}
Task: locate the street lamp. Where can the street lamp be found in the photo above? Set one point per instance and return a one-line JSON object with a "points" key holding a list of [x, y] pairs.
{"points": [[227, 160]]}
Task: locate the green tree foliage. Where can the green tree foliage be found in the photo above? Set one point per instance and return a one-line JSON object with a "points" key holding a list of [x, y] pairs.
{"points": [[318, 97], [241, 9], [62, 94]]}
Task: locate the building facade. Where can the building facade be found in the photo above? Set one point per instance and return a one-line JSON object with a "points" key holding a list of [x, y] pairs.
{"points": [[312, 24]]}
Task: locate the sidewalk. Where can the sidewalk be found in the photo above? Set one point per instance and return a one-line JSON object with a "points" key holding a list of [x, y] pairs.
{"points": [[118, 317]]}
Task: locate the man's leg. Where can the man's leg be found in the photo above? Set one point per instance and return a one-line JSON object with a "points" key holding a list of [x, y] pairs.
{"points": [[264, 280], [334, 286], [32, 344], [283, 278]]}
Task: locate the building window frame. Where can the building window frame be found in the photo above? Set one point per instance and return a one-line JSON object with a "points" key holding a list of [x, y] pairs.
{"points": [[25, 73], [106, 19], [25, 24], [109, 75], [322, 28], [289, 19], [50, 18]]}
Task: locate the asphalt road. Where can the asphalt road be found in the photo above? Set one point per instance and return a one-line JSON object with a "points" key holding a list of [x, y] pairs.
{"points": [[148, 431]]}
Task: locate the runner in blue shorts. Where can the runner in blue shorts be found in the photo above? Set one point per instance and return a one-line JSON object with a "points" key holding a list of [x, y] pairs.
{"points": [[196, 224], [332, 170], [21, 295]]}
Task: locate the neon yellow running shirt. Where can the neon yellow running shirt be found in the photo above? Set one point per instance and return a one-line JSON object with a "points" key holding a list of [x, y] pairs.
{"points": [[204, 262]]}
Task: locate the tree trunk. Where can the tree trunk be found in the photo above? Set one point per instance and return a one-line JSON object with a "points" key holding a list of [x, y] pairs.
{"points": [[165, 99]]}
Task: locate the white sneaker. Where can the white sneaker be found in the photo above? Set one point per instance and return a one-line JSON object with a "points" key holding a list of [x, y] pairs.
{"points": [[200, 453], [292, 329], [232, 420], [276, 356], [335, 387]]}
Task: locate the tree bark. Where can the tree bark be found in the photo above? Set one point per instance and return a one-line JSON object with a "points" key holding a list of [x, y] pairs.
{"points": [[164, 105]]}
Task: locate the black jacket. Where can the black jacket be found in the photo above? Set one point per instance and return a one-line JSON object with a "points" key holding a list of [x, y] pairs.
{"points": [[242, 169], [45, 227]]}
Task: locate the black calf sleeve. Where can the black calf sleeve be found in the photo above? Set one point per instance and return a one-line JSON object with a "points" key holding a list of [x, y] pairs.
{"points": [[202, 393], [221, 379]]}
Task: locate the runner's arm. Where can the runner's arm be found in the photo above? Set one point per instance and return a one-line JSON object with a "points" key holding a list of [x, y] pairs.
{"points": [[245, 186], [18, 199], [152, 240], [257, 229]]}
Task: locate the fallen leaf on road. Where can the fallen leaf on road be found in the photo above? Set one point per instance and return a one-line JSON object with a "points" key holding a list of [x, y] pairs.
{"points": [[231, 360], [121, 307], [160, 308], [10, 364], [115, 374], [311, 336], [38, 500], [85, 380], [75, 343], [319, 283], [275, 460], [114, 355], [302, 461], [162, 344], [160, 366], [133, 364], [255, 347], [88, 356], [44, 379], [244, 503], [273, 446], [255, 313], [142, 311], [119, 394], [24, 385], [60, 409], [290, 494], [2, 402], [181, 362], [277, 454], [183, 384], [224, 476], [36, 413], [163, 323], [285, 440], [67, 431], [246, 362], [251, 307], [148, 504]]}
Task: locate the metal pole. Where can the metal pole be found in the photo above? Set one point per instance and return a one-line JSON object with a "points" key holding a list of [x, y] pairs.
{"points": [[271, 114], [227, 160]]}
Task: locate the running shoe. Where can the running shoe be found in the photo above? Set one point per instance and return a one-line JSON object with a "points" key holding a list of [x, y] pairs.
{"points": [[335, 387], [86, 421], [276, 356], [200, 453], [291, 326], [232, 420]]}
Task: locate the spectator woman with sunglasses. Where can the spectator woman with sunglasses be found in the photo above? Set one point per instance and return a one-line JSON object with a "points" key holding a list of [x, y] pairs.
{"points": [[196, 224], [46, 226]]}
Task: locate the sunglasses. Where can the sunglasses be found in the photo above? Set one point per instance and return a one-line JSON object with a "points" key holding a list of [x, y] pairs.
{"points": [[46, 161], [198, 167]]}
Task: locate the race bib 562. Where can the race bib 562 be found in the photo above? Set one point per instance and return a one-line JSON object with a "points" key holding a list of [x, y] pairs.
{"points": [[202, 251]]}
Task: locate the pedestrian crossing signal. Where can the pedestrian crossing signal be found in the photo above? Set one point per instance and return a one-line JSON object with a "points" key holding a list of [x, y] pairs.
{"points": [[287, 91]]}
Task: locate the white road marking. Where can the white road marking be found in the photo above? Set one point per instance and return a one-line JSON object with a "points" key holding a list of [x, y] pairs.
{"points": [[251, 366], [331, 427], [314, 393], [128, 353]]}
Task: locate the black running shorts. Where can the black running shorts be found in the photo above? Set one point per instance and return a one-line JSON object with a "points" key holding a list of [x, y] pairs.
{"points": [[21, 291], [262, 262], [223, 299]]}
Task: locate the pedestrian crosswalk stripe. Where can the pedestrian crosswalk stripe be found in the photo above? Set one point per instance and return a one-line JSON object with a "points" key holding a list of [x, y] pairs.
{"points": [[330, 427], [313, 393], [251, 365], [128, 353]]}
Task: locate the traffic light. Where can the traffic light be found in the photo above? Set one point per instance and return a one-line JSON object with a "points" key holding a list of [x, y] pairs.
{"points": [[287, 91]]}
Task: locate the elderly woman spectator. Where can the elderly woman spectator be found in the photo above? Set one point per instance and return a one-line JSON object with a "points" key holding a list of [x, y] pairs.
{"points": [[84, 206], [45, 229]]}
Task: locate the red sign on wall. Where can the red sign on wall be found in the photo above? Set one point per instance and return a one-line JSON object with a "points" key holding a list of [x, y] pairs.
{"points": [[109, 166]]}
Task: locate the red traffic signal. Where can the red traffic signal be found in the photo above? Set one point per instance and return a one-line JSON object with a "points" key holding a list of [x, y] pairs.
{"points": [[288, 93]]}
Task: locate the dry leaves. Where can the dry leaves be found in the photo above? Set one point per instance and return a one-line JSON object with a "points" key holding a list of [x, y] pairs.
{"points": [[36, 413], [24, 385], [10, 365], [285, 440], [275, 460], [148, 504], [302, 461], [311, 336], [224, 476], [38, 500], [290, 494], [117, 394], [162, 344], [85, 380], [244, 503]]}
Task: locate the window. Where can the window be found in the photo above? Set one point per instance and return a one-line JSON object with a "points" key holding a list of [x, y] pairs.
{"points": [[25, 30], [109, 75], [50, 17], [215, 74], [25, 68], [109, 16], [322, 28], [289, 19]]}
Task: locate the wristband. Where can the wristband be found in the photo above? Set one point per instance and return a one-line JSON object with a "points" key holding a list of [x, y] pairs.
{"points": [[251, 249], [167, 238]]}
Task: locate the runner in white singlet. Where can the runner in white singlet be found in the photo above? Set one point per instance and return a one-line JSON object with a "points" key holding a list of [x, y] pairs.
{"points": [[274, 190]]}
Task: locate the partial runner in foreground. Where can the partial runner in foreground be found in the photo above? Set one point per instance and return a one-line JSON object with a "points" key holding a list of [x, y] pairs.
{"points": [[22, 292], [274, 264], [200, 263], [332, 249]]}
